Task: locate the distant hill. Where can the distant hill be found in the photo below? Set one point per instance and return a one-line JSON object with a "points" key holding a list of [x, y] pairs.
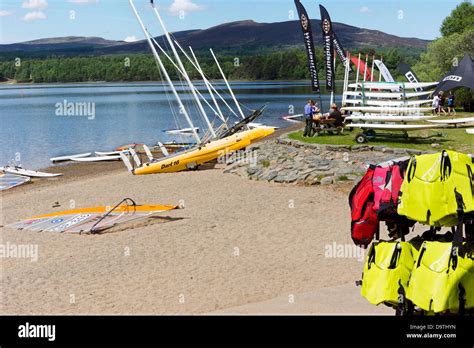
{"points": [[242, 36]]}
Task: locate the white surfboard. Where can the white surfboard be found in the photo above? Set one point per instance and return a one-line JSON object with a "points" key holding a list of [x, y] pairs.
{"points": [[388, 95], [97, 159], [454, 120], [388, 118], [68, 158], [26, 172], [385, 126], [388, 109], [389, 103], [470, 131], [393, 85], [110, 153]]}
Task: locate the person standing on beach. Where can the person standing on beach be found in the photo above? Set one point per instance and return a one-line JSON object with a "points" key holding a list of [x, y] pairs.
{"points": [[442, 99], [435, 105], [308, 114], [451, 104]]}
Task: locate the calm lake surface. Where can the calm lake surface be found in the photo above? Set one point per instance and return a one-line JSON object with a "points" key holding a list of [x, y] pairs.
{"points": [[32, 131]]}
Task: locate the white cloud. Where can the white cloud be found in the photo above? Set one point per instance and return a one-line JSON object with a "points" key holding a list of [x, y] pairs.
{"points": [[83, 1], [4, 13], [364, 9], [130, 39], [32, 16], [35, 4], [179, 7]]}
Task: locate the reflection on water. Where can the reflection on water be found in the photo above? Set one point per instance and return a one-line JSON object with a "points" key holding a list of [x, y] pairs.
{"points": [[124, 113]]}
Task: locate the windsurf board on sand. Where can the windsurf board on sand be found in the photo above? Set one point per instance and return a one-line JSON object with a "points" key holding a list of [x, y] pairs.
{"points": [[454, 120], [26, 172], [68, 158], [8, 181], [399, 127], [89, 219]]}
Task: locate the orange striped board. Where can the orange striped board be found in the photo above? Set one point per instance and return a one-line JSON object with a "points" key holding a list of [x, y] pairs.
{"points": [[83, 220]]}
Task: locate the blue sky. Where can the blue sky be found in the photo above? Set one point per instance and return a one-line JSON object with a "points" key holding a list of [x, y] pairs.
{"points": [[23, 20]]}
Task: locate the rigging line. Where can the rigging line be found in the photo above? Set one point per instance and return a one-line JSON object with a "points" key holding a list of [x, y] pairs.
{"points": [[186, 77], [186, 102], [177, 121], [162, 67], [222, 91], [181, 72], [190, 103]]}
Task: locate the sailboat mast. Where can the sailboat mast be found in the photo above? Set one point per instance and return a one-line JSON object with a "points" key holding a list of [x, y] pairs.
{"points": [[180, 71], [228, 86], [183, 69], [210, 84], [206, 82], [165, 73]]}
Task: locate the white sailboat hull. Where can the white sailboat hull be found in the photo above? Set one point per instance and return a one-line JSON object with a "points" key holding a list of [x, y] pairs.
{"points": [[29, 173], [68, 158], [97, 159]]}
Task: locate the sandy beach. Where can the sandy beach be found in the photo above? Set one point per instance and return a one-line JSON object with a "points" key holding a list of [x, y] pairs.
{"points": [[238, 246]]}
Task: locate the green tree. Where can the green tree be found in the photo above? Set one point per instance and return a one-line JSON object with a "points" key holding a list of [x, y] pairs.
{"points": [[460, 19]]}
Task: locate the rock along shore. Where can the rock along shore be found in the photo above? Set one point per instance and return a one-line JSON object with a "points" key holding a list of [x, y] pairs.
{"points": [[284, 160]]}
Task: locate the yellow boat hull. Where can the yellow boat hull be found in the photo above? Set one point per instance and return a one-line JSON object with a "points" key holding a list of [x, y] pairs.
{"points": [[204, 153]]}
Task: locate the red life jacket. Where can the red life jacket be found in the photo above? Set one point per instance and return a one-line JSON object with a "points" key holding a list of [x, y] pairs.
{"points": [[379, 182], [365, 223], [388, 201]]}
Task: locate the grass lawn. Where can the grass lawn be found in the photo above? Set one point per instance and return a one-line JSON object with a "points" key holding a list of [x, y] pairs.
{"points": [[449, 138]]}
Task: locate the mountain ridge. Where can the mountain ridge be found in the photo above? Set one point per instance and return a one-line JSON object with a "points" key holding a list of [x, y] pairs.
{"points": [[234, 36]]}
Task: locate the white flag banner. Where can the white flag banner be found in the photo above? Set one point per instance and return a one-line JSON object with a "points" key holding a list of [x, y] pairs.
{"points": [[384, 71]]}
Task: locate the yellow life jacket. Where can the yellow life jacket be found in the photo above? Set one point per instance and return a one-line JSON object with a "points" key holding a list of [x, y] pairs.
{"points": [[387, 271], [438, 188], [440, 281]]}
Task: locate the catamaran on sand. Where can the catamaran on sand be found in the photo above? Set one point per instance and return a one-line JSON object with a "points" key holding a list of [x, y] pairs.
{"points": [[218, 141]]}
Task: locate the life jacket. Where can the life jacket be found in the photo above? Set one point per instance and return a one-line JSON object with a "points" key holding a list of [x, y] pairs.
{"points": [[438, 188], [443, 281], [387, 272], [387, 207], [387, 182], [379, 182], [364, 221]]}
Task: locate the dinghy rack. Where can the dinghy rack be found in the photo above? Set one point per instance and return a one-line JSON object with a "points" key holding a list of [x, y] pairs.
{"points": [[125, 200]]}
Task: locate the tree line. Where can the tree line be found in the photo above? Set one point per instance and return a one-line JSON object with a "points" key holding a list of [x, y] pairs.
{"points": [[290, 64]]}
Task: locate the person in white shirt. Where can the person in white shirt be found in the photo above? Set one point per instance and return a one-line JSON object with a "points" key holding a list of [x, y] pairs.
{"points": [[435, 105]]}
